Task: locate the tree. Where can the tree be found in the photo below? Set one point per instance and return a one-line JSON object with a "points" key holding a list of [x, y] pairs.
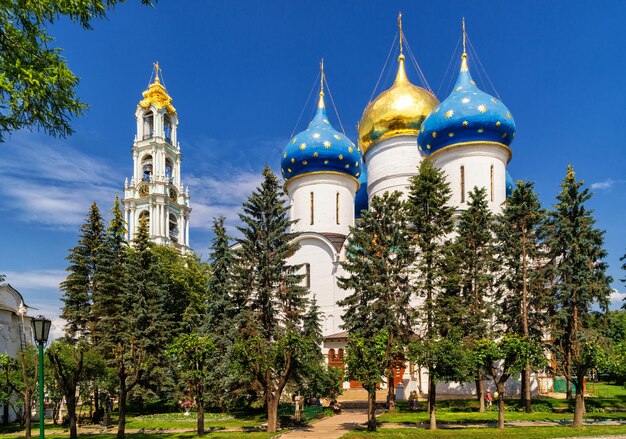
{"points": [[575, 251], [521, 295], [504, 358], [366, 358], [28, 360], [191, 353], [10, 384], [623, 258], [267, 335], [474, 248], [37, 89], [73, 363], [78, 289], [378, 265], [431, 223]]}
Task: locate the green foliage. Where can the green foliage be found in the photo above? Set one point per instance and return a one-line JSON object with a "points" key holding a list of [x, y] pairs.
{"points": [[79, 287], [366, 358], [37, 89], [447, 358]]}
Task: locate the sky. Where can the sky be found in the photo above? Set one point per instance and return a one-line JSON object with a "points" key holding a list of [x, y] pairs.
{"points": [[240, 73]]}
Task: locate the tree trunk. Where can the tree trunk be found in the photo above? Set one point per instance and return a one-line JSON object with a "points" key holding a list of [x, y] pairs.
{"points": [[5, 412], [27, 413], [480, 390], [432, 401], [579, 411], [200, 406], [528, 406], [568, 377], [71, 412], [272, 412], [391, 394], [500, 387], [371, 410], [121, 409]]}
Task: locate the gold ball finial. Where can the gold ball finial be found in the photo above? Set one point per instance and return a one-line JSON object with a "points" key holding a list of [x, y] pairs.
{"points": [[157, 69]]}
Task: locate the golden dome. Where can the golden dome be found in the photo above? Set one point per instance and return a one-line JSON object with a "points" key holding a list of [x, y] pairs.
{"points": [[398, 111]]}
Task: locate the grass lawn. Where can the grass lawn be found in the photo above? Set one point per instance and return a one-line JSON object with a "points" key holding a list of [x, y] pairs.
{"points": [[211, 420], [490, 433], [218, 435]]}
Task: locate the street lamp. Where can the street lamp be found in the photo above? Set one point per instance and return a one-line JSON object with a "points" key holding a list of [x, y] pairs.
{"points": [[41, 330]]}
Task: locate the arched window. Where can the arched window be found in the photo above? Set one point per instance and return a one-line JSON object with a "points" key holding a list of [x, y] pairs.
{"points": [[146, 165], [340, 354], [173, 227], [331, 356], [491, 182], [462, 184], [312, 208], [168, 170], [167, 128], [144, 214], [148, 125]]}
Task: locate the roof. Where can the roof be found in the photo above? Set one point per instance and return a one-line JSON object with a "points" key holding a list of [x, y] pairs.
{"points": [[338, 336]]}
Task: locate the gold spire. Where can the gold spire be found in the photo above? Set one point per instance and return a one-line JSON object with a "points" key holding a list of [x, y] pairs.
{"points": [[322, 78], [401, 75], [464, 67], [156, 94]]}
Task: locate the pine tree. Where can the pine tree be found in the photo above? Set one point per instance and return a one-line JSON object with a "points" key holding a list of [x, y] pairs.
{"points": [[474, 248], [378, 265], [431, 223], [78, 288], [220, 312], [575, 249], [521, 297], [268, 329]]}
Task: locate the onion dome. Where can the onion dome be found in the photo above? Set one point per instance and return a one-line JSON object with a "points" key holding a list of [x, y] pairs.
{"points": [[361, 199], [510, 184], [398, 111], [320, 149], [468, 115]]}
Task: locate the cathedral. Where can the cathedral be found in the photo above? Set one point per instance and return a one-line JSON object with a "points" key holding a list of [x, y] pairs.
{"points": [[329, 180]]}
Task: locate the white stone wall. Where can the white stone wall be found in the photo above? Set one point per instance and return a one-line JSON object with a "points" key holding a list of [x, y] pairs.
{"points": [[325, 188], [476, 160], [390, 165]]}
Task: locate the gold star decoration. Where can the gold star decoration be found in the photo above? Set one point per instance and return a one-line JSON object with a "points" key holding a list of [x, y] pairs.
{"points": [[458, 89], [325, 162], [480, 130], [294, 140], [347, 166], [436, 110], [316, 135], [289, 169], [293, 160], [465, 123], [482, 108], [434, 133], [326, 144], [350, 149], [422, 129], [356, 164], [326, 121], [302, 146], [315, 154], [498, 123], [337, 136], [449, 114], [473, 83], [465, 100], [494, 101], [508, 115], [340, 156], [285, 155], [304, 162], [504, 135], [428, 146], [358, 173], [450, 134]]}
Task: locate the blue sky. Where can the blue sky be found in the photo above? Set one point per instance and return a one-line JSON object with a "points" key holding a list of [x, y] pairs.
{"points": [[240, 74]]}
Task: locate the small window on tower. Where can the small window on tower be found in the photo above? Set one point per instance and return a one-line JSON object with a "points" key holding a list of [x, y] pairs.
{"points": [[146, 165], [173, 227], [307, 275], [167, 128], [168, 171], [148, 125], [312, 209], [337, 208], [491, 182], [462, 184]]}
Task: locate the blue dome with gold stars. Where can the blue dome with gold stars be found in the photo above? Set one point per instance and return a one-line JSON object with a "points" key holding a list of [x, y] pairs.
{"points": [[360, 200], [468, 115], [320, 149]]}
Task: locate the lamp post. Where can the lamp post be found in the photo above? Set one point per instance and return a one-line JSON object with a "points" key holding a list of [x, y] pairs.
{"points": [[41, 330]]}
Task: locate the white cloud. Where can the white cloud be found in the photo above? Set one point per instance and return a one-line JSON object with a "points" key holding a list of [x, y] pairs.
{"points": [[606, 184], [617, 299], [35, 280]]}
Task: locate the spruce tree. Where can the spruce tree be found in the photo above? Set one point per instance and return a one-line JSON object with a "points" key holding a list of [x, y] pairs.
{"points": [[431, 224], [78, 288], [576, 252], [378, 272], [268, 329], [475, 254], [521, 298]]}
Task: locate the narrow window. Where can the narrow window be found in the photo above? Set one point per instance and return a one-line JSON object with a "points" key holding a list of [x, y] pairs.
{"points": [[337, 208], [312, 209], [462, 184], [307, 276], [491, 181]]}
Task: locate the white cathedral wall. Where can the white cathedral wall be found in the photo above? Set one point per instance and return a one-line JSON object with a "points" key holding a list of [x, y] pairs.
{"points": [[320, 254], [325, 188], [390, 165], [476, 160]]}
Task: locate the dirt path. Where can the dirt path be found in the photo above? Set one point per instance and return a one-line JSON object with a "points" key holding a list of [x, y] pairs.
{"points": [[332, 427]]}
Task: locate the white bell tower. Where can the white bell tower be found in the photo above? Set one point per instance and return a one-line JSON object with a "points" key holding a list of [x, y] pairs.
{"points": [[155, 189]]}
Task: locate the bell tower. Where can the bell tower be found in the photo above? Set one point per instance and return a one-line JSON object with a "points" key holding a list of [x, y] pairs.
{"points": [[155, 189]]}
